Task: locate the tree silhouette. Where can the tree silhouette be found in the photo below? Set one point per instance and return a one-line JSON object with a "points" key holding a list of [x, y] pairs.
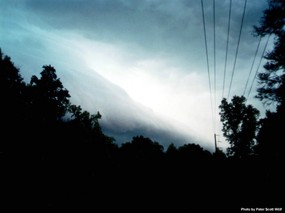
{"points": [[272, 79], [171, 151], [142, 149], [193, 152], [270, 138], [49, 99], [12, 88], [13, 104], [89, 121], [239, 126], [272, 82], [11, 80]]}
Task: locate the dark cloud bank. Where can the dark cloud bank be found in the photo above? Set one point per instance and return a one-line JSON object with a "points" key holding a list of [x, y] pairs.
{"points": [[171, 27], [124, 118]]}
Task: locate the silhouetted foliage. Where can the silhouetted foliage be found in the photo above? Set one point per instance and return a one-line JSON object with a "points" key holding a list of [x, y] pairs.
{"points": [[171, 151], [55, 156], [272, 79], [142, 150], [272, 83], [270, 138], [12, 88], [239, 126], [49, 94], [193, 153], [12, 107]]}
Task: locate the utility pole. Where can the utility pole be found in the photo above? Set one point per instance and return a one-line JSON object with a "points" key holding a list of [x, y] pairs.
{"points": [[215, 137]]}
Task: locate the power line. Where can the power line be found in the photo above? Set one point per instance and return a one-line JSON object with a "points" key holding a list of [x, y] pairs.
{"points": [[214, 31], [207, 58], [265, 46], [250, 71], [242, 20], [227, 48]]}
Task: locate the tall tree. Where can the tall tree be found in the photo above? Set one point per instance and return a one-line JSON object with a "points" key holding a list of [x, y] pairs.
{"points": [[50, 100], [272, 81], [12, 105], [240, 123], [11, 87]]}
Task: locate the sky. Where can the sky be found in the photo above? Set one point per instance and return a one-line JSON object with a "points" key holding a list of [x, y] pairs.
{"points": [[141, 63]]}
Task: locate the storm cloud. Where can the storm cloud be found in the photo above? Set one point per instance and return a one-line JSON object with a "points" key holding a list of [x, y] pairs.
{"points": [[141, 63]]}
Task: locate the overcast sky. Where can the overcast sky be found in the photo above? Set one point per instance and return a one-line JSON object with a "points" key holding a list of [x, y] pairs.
{"points": [[141, 63]]}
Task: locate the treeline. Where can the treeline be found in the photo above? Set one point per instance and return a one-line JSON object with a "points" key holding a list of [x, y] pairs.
{"points": [[54, 155]]}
